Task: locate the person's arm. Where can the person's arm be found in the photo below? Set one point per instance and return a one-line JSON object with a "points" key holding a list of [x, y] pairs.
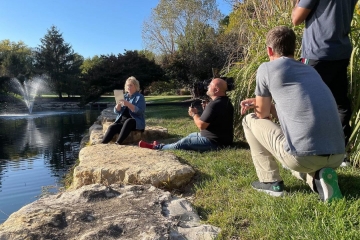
{"points": [[263, 107], [299, 14], [118, 107], [273, 112], [247, 104], [198, 122], [138, 106]]}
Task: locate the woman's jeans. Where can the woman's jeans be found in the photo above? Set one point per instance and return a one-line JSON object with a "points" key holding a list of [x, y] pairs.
{"points": [[194, 141]]}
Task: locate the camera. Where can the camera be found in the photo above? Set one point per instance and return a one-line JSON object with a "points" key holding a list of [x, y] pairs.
{"points": [[200, 88], [230, 83]]}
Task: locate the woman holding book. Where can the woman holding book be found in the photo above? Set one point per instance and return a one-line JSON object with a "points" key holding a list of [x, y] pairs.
{"points": [[130, 112]]}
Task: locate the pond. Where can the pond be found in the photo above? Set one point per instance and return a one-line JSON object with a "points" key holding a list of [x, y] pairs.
{"points": [[36, 151]]}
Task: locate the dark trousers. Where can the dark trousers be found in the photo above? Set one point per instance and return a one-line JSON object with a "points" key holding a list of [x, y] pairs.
{"points": [[124, 128], [334, 74]]}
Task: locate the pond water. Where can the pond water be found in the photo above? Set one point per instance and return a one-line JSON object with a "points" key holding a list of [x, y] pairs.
{"points": [[36, 151]]}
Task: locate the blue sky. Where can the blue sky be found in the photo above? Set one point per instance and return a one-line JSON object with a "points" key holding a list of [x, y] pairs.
{"points": [[92, 27]]}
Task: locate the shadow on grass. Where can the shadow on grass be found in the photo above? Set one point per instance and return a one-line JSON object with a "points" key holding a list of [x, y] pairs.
{"points": [[189, 189], [240, 145], [349, 185], [348, 182]]}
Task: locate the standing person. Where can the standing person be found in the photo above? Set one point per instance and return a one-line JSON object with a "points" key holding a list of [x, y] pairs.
{"points": [[326, 47], [130, 113], [215, 123], [309, 139]]}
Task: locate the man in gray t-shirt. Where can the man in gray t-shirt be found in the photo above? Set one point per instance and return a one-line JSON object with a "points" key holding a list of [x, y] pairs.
{"points": [[309, 138], [326, 47]]}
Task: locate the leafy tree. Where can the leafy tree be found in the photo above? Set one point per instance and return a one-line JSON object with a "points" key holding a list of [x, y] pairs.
{"points": [[57, 59], [112, 71], [90, 63], [16, 59], [185, 34], [202, 53], [170, 19]]}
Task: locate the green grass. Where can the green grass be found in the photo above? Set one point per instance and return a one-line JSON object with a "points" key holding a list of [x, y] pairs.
{"points": [[224, 198], [152, 99]]}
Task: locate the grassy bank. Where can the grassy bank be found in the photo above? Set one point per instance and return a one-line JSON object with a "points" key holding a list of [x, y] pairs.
{"points": [[223, 196]]}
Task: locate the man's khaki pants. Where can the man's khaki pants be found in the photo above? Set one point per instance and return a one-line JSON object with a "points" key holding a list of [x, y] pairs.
{"points": [[266, 141]]}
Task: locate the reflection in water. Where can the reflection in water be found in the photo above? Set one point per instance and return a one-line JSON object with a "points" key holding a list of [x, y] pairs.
{"points": [[36, 151]]}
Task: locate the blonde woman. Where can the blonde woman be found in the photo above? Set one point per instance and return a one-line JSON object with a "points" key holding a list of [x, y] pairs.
{"points": [[130, 112]]}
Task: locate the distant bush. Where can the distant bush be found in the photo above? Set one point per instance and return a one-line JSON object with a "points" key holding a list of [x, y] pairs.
{"points": [[183, 91], [164, 88]]}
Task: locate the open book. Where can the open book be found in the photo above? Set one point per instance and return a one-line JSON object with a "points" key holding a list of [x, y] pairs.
{"points": [[119, 95]]}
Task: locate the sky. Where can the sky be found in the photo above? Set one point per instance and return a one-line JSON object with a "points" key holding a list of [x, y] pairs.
{"points": [[91, 27]]}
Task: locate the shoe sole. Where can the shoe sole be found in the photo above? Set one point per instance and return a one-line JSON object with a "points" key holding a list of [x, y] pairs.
{"points": [[271, 193], [329, 185]]}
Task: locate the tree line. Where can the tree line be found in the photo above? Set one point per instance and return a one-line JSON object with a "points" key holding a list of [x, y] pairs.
{"points": [[184, 40], [68, 72]]}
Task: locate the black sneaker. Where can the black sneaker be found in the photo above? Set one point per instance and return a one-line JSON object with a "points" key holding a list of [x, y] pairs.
{"points": [[326, 182], [275, 189]]}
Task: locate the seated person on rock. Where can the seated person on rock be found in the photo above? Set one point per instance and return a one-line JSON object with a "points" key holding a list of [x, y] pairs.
{"points": [[130, 112], [309, 140], [215, 123]]}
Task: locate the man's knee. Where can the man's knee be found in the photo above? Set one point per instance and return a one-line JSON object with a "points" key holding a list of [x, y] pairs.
{"points": [[247, 119]]}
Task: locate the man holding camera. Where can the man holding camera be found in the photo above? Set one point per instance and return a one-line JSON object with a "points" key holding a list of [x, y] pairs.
{"points": [[309, 140], [215, 123]]}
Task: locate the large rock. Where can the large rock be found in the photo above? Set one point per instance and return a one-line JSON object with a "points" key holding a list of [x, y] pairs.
{"points": [[115, 212], [111, 163]]}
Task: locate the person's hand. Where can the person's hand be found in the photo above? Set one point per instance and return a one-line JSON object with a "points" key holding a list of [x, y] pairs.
{"points": [[121, 103], [125, 103], [247, 104], [192, 111]]}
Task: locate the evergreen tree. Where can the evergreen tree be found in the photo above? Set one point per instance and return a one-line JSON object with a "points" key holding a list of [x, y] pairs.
{"points": [[57, 59]]}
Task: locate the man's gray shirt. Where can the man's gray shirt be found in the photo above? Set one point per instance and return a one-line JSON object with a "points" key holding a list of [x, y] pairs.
{"points": [[305, 106], [327, 28]]}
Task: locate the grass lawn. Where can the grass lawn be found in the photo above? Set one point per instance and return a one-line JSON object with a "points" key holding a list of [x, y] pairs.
{"points": [[224, 198], [152, 99], [148, 99]]}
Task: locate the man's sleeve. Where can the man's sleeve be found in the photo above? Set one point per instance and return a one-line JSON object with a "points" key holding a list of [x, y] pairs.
{"points": [[208, 113], [262, 88], [308, 4]]}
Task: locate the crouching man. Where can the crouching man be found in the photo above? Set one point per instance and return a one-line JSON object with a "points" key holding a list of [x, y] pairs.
{"points": [[309, 140]]}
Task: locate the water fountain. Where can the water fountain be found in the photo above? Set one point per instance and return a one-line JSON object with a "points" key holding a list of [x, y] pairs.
{"points": [[28, 90]]}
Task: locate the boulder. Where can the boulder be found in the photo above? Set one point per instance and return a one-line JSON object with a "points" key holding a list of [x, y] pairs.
{"points": [[108, 212], [111, 163]]}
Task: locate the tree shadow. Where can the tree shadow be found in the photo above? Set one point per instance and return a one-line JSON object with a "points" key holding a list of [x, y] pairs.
{"points": [[189, 189], [349, 185], [240, 145]]}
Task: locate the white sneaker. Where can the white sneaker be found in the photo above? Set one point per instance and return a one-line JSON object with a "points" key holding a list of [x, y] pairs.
{"points": [[346, 162]]}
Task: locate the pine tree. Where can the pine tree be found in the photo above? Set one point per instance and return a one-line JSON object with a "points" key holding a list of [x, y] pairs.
{"points": [[57, 59]]}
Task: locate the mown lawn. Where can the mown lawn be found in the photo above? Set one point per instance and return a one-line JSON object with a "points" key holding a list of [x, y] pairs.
{"points": [[223, 196], [151, 99]]}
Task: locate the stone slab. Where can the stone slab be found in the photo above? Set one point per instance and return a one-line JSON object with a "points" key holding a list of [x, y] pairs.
{"points": [[110, 163], [114, 212]]}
